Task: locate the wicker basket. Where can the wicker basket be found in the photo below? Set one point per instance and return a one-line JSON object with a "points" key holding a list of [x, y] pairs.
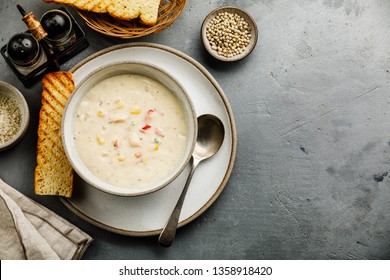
{"points": [[168, 12]]}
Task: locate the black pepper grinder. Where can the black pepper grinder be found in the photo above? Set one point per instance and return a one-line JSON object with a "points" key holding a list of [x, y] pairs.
{"points": [[60, 30]]}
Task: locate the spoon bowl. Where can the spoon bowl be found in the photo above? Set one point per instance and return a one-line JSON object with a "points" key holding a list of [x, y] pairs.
{"points": [[210, 137]]}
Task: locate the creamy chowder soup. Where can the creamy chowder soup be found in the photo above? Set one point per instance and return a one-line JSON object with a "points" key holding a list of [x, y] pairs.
{"points": [[130, 130]]}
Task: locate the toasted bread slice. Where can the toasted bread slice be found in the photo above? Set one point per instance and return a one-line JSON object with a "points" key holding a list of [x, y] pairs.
{"points": [[149, 13], [67, 2], [86, 5], [146, 10], [53, 174], [101, 6]]}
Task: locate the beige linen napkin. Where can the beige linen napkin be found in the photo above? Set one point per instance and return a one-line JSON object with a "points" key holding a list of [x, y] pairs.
{"points": [[29, 230]]}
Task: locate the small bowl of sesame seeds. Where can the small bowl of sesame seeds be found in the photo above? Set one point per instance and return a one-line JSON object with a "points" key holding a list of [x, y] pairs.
{"points": [[229, 33], [14, 115]]}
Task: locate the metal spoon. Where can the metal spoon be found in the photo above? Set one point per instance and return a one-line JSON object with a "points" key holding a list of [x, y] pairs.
{"points": [[210, 137]]}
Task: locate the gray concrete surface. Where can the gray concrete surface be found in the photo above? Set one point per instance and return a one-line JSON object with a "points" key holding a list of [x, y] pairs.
{"points": [[312, 107]]}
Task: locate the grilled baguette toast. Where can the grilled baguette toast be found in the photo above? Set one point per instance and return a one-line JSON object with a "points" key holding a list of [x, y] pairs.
{"points": [[53, 173], [146, 10]]}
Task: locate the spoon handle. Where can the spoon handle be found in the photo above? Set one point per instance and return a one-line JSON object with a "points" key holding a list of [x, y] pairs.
{"points": [[169, 231]]}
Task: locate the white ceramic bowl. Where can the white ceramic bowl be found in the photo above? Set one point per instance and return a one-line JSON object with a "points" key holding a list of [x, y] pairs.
{"points": [[9, 91], [128, 67]]}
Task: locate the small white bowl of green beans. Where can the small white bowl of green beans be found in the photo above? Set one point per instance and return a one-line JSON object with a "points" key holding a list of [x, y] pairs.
{"points": [[14, 115], [229, 33]]}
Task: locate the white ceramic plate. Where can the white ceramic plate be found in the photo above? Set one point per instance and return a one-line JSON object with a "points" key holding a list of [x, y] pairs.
{"points": [[147, 215]]}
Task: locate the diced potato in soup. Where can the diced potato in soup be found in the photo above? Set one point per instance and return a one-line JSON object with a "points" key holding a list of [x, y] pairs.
{"points": [[130, 130]]}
